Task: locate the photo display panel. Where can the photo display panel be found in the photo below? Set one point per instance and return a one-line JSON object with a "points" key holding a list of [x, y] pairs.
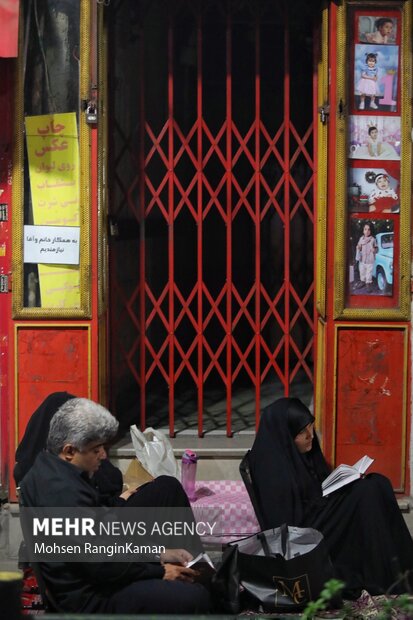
{"points": [[373, 157]]}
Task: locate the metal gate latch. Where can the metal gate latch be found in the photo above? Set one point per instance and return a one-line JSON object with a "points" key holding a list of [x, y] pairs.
{"points": [[91, 114], [324, 112]]}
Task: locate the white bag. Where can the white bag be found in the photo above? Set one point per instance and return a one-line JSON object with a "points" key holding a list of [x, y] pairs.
{"points": [[154, 451]]}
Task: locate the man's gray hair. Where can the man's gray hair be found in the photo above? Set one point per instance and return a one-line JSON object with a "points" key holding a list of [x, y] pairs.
{"points": [[79, 421]]}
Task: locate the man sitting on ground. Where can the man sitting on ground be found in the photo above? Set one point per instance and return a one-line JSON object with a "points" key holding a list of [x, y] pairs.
{"points": [[60, 477]]}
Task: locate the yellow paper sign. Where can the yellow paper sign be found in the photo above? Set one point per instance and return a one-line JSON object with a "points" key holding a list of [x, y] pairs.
{"points": [[53, 153]]}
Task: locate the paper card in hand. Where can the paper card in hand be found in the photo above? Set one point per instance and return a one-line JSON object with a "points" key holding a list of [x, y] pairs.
{"points": [[204, 566]]}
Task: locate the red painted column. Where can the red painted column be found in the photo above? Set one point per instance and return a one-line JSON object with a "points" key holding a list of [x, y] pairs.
{"points": [[200, 344], [257, 162], [171, 237], [287, 228], [228, 172], [6, 140], [328, 424], [94, 200]]}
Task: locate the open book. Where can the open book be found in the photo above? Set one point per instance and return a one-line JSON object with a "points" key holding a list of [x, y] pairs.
{"points": [[204, 566], [343, 474]]}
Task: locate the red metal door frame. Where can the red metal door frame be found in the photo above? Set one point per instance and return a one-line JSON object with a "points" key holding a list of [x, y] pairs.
{"points": [[6, 150]]}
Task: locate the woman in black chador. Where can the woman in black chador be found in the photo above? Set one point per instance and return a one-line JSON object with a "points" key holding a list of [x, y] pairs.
{"points": [[35, 435], [366, 535]]}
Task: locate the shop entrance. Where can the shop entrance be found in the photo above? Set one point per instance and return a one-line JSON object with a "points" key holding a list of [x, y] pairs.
{"points": [[211, 181]]}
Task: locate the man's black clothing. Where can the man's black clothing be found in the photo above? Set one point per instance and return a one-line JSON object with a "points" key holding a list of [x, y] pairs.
{"points": [[97, 587]]}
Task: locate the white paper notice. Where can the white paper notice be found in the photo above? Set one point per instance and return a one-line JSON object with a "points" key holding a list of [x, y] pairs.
{"points": [[56, 245]]}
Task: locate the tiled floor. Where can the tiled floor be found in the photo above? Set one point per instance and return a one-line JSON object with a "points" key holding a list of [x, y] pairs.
{"points": [[214, 412]]}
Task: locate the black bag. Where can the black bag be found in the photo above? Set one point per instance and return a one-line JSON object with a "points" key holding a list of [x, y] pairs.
{"points": [[278, 570]]}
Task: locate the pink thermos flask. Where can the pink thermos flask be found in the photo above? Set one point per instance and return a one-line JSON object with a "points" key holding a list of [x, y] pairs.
{"points": [[188, 472]]}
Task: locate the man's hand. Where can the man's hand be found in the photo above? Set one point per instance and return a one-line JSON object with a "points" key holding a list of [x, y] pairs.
{"points": [[177, 556], [173, 572]]}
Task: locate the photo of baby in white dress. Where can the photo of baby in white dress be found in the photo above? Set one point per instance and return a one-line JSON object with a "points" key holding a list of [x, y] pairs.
{"points": [[374, 137]]}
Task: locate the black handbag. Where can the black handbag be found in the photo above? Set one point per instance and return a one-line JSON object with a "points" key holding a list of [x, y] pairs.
{"points": [[277, 570]]}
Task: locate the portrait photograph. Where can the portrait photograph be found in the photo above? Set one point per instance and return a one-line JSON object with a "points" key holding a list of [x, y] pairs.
{"points": [[374, 190], [377, 29], [371, 253], [376, 77], [374, 137]]}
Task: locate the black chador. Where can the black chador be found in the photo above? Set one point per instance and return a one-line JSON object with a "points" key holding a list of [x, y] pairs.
{"points": [[365, 532]]}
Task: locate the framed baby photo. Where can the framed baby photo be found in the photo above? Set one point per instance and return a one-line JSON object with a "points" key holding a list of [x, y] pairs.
{"points": [[376, 78], [381, 28], [374, 137], [371, 257], [373, 189]]}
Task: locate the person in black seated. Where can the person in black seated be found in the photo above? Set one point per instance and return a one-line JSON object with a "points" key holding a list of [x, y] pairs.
{"points": [[61, 477], [108, 479], [35, 434], [367, 537]]}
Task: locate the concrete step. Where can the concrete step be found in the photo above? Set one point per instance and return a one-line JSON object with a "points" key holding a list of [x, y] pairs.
{"points": [[218, 455]]}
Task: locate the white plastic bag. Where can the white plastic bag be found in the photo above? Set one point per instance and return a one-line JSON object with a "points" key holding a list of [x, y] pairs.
{"points": [[154, 451]]}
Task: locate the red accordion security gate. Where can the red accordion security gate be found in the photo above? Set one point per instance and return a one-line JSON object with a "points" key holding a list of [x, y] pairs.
{"points": [[212, 208]]}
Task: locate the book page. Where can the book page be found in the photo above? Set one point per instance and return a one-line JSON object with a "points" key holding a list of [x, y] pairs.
{"points": [[342, 471], [340, 482], [363, 464], [344, 474]]}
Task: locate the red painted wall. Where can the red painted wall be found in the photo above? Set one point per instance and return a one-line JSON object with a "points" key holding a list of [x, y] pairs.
{"points": [[371, 399], [49, 360]]}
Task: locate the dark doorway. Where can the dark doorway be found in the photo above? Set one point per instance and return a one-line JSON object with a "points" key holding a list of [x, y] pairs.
{"points": [[212, 219]]}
